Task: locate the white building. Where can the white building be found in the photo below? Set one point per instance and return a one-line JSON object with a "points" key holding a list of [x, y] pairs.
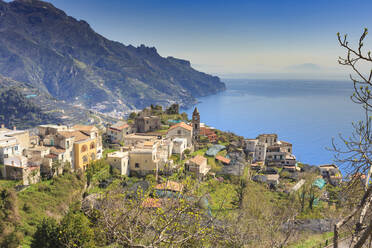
{"points": [[120, 161], [181, 130]]}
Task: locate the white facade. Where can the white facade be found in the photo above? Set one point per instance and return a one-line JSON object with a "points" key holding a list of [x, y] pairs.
{"points": [[120, 161], [181, 132], [179, 145]]}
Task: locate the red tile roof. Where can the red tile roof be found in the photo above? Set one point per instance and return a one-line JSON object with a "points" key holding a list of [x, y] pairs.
{"points": [[198, 159], [170, 185], [223, 159], [181, 124]]}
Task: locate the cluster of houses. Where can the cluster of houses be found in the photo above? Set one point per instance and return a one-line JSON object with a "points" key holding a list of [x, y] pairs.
{"points": [[145, 151], [26, 155]]}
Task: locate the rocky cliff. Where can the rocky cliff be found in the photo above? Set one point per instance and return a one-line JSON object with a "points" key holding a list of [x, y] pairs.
{"points": [[42, 46]]}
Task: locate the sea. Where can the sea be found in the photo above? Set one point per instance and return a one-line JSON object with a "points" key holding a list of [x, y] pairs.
{"points": [[307, 113]]}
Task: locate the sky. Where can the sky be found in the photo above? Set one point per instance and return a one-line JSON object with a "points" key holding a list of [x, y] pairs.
{"points": [[263, 38]]}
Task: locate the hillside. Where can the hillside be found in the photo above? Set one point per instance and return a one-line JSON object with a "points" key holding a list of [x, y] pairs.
{"points": [[42, 46]]}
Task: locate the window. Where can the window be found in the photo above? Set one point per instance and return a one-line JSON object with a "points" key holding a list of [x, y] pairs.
{"points": [[67, 144], [92, 145], [63, 157], [84, 148], [136, 165], [289, 149], [85, 159], [93, 156], [16, 148], [179, 132]]}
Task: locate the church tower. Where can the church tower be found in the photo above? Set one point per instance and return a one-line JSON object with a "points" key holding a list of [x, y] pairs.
{"points": [[195, 126]]}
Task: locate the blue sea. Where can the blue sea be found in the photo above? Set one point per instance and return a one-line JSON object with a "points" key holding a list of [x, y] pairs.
{"points": [[307, 113]]}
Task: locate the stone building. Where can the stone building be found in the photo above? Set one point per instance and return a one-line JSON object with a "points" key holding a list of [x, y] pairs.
{"points": [[145, 122], [268, 139], [198, 165]]}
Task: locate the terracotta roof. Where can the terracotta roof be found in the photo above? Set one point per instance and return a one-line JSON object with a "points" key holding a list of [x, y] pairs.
{"points": [[120, 125], [151, 203], [198, 159], [170, 185], [84, 128], [50, 156], [181, 124], [56, 150], [79, 136], [223, 159]]}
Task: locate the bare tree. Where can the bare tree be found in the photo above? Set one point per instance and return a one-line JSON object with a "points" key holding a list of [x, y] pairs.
{"points": [[356, 150]]}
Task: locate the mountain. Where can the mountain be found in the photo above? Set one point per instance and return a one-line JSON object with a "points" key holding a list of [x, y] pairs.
{"points": [[42, 46], [17, 110]]}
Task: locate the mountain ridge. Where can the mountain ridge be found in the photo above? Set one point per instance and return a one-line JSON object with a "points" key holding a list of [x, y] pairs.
{"points": [[43, 46]]}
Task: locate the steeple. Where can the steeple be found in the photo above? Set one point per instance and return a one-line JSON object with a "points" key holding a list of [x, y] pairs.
{"points": [[195, 126]]}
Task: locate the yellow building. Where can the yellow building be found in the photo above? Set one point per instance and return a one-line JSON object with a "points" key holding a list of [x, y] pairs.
{"points": [[85, 151]]}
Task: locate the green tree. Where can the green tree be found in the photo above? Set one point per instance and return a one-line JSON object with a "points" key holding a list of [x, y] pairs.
{"points": [[46, 235]]}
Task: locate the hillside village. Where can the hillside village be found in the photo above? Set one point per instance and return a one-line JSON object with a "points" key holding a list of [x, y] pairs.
{"points": [[163, 149], [144, 145]]}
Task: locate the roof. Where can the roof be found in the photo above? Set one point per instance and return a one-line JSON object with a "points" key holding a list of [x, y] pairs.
{"points": [[170, 185], [181, 124], [50, 156], [198, 159], [223, 159], [120, 125], [84, 128], [56, 150], [117, 154], [213, 150], [328, 166], [79, 136], [319, 182], [151, 203]]}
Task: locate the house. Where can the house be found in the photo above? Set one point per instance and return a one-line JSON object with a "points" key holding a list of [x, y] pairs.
{"points": [[257, 166], [198, 165], [117, 131], [331, 172], [143, 159], [120, 161], [224, 160], [85, 151], [179, 146], [93, 132], [181, 130], [16, 168], [13, 142], [270, 179], [280, 154], [255, 149], [209, 133]]}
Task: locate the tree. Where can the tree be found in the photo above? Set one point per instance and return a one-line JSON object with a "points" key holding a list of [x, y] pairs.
{"points": [[46, 235], [173, 109], [356, 152]]}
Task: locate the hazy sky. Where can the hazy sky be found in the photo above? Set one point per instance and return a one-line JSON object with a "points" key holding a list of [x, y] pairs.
{"points": [[224, 37]]}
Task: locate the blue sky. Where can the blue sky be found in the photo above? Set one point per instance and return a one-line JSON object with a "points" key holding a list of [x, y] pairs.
{"points": [[233, 37]]}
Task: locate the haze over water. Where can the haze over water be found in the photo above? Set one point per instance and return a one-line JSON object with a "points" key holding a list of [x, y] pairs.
{"points": [[307, 113]]}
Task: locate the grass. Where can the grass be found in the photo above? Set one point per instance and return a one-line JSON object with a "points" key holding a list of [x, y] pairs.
{"points": [[47, 199], [316, 240], [106, 151], [9, 183]]}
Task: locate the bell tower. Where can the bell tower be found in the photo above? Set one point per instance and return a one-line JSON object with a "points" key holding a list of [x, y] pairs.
{"points": [[195, 126]]}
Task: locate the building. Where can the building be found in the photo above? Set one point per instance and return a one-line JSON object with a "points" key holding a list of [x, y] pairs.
{"points": [[195, 126], [12, 142], [209, 133], [331, 172], [85, 151], [93, 132], [181, 130], [270, 179], [255, 149], [144, 122], [134, 139], [179, 146], [198, 165], [269, 139], [16, 168], [117, 131], [143, 159], [120, 161]]}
